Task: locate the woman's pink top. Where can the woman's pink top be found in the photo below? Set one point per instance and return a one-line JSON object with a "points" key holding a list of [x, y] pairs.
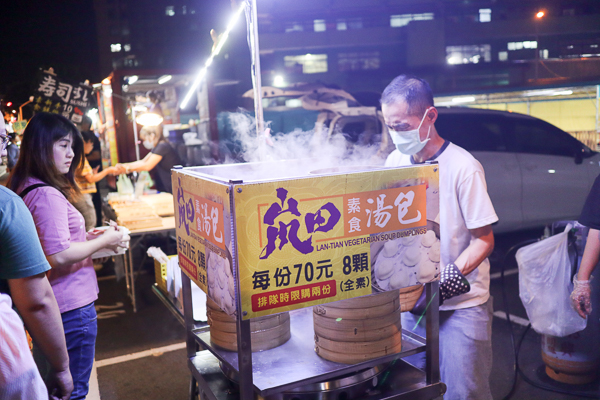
{"points": [[59, 224]]}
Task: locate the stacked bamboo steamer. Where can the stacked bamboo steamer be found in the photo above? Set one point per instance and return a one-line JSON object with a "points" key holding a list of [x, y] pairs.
{"points": [[266, 332], [356, 330], [409, 296]]}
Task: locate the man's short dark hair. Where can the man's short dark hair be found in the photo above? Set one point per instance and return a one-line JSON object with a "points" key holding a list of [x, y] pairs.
{"points": [[414, 91]]}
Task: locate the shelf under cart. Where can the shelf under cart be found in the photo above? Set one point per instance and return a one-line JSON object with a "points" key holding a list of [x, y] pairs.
{"points": [[401, 381], [295, 362]]}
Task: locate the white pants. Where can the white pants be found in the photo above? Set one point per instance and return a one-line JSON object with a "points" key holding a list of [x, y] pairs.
{"points": [[465, 350]]}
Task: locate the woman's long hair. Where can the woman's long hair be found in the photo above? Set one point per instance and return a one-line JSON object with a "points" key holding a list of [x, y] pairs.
{"points": [[37, 154]]}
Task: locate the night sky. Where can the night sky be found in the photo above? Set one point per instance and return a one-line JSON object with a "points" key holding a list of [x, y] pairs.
{"points": [[40, 34]]}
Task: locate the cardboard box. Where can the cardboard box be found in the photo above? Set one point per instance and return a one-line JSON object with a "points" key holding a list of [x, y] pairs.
{"points": [[160, 275]]}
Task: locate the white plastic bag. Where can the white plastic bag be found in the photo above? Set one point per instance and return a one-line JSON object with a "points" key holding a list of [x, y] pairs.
{"points": [[545, 286]]}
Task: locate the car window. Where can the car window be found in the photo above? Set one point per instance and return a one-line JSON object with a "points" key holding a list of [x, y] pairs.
{"points": [[359, 130], [474, 132], [539, 137]]}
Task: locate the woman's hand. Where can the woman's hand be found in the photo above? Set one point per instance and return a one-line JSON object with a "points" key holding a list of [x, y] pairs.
{"points": [[112, 170], [115, 240]]}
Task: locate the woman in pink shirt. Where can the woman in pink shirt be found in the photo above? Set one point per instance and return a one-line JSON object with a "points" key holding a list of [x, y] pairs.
{"points": [[51, 151]]}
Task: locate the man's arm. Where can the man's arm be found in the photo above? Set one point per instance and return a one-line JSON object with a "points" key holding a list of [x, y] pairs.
{"points": [[98, 176], [34, 299], [591, 255], [479, 249], [146, 164]]}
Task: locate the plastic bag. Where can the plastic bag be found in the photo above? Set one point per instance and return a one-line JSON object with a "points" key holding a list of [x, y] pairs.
{"points": [[545, 286], [124, 185]]}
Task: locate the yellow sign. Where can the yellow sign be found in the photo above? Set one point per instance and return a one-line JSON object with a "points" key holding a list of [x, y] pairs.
{"points": [[310, 241], [201, 207]]}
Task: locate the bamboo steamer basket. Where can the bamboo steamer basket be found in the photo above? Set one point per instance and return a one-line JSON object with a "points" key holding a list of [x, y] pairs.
{"points": [[355, 330], [266, 332], [409, 296]]}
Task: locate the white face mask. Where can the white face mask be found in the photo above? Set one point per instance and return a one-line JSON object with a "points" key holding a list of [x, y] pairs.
{"points": [[409, 142], [148, 144]]}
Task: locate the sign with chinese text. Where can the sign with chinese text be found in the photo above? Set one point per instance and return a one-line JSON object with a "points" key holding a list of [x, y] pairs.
{"points": [[110, 132], [310, 241], [203, 243], [55, 96]]}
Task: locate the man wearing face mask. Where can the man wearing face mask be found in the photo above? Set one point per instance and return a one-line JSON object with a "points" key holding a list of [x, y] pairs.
{"points": [[466, 238], [160, 160]]}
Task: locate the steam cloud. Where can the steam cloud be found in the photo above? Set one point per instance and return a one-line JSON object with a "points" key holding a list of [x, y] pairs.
{"points": [[293, 154]]}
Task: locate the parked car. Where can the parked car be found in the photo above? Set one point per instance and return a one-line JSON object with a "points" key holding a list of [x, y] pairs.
{"points": [[536, 173]]}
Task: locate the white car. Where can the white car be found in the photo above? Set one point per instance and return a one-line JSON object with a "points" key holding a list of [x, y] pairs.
{"points": [[535, 172]]}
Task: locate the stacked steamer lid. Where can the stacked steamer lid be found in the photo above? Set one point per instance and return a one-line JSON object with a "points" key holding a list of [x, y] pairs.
{"points": [[355, 330], [266, 332]]}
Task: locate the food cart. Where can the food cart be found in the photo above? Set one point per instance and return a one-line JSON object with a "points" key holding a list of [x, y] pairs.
{"points": [[282, 229]]}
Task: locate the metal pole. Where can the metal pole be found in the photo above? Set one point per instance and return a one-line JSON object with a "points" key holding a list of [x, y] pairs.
{"points": [[598, 108], [432, 329], [135, 132], [597, 139], [256, 78]]}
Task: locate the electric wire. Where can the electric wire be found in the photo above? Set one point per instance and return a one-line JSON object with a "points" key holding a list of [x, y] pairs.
{"points": [[506, 308]]}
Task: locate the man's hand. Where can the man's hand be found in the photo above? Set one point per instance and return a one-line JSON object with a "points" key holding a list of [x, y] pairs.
{"points": [[60, 385], [120, 169], [581, 297]]}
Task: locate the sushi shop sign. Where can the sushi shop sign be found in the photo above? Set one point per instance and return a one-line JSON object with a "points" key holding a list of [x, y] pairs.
{"points": [[59, 97], [309, 241]]}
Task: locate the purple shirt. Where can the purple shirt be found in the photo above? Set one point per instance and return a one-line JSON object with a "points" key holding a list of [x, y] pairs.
{"points": [[58, 224]]}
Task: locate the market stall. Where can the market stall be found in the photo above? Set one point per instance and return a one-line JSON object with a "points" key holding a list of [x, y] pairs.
{"points": [[281, 251], [150, 214]]}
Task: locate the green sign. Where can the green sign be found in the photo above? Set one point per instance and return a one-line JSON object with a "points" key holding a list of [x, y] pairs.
{"points": [[19, 126]]}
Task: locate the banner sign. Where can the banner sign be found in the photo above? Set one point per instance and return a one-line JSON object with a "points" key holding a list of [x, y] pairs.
{"points": [[304, 242], [110, 132], [203, 226], [316, 240], [56, 96]]}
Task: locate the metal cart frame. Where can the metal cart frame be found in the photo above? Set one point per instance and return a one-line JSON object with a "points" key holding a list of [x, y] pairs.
{"points": [[210, 383]]}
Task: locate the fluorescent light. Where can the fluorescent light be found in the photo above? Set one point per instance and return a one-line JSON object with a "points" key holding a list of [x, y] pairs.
{"points": [[464, 99], [222, 39], [149, 119], [562, 93], [548, 92], [132, 79], [551, 171], [164, 79]]}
